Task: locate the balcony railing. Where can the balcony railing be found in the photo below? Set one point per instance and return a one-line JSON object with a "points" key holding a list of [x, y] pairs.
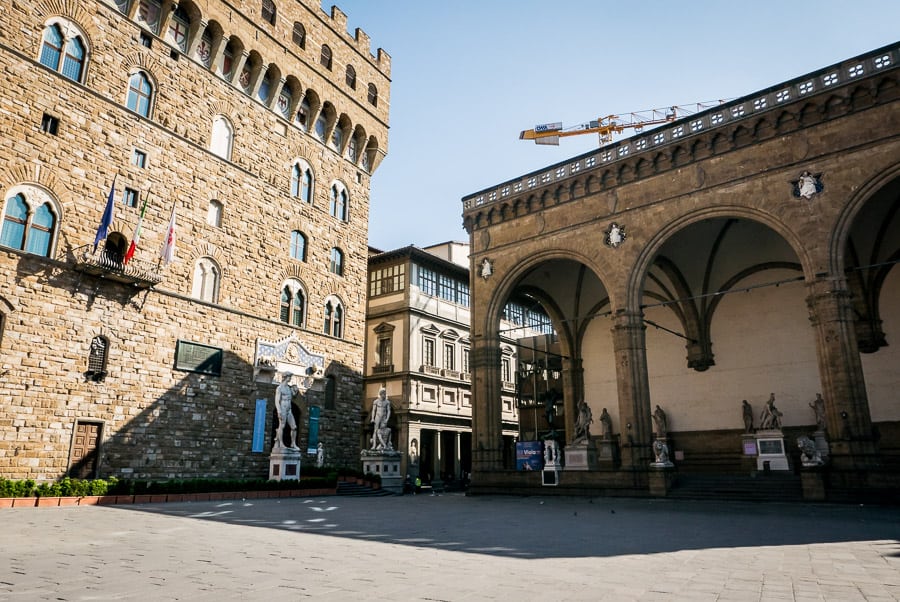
{"points": [[384, 369], [102, 263]]}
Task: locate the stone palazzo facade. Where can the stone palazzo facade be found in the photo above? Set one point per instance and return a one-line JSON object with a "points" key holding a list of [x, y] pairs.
{"points": [[252, 127], [744, 251]]}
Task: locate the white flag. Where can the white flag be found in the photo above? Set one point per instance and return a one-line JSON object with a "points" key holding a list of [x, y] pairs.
{"points": [[167, 254]]}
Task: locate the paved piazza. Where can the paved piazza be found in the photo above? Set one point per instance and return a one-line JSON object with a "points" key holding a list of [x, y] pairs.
{"points": [[451, 547]]}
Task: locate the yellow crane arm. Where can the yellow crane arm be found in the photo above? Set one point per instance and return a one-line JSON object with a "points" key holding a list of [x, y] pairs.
{"points": [[604, 127]]}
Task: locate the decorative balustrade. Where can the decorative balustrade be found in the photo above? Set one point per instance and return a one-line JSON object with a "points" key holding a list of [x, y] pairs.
{"points": [[721, 115], [103, 264]]}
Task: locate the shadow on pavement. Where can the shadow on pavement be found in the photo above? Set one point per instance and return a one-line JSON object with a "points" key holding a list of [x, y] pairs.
{"points": [[553, 527]]}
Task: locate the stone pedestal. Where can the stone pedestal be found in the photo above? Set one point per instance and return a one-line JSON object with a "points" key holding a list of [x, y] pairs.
{"points": [[284, 464], [749, 452], [386, 464], [821, 444], [581, 456], [660, 481], [608, 452], [813, 483], [770, 450], [661, 454]]}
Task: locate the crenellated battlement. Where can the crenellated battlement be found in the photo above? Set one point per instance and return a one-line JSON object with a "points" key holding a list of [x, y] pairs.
{"points": [[360, 38]]}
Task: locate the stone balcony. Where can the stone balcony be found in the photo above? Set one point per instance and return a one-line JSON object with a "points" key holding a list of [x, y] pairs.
{"points": [[100, 263]]}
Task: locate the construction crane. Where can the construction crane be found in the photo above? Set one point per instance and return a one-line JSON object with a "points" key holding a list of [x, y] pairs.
{"points": [[605, 127]]}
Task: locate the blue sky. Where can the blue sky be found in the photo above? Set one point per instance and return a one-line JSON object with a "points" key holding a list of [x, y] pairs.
{"points": [[468, 76]]}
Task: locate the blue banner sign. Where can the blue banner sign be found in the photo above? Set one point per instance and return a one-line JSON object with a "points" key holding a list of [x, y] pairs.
{"points": [[529, 455], [259, 426]]}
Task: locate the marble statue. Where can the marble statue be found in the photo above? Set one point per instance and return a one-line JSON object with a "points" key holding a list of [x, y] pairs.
{"points": [[818, 407], [381, 413], [320, 455], [747, 413], [662, 422], [770, 417], [583, 422], [809, 455], [551, 452], [284, 395], [660, 451], [605, 424]]}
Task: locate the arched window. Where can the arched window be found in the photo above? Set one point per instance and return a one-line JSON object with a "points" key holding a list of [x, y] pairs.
{"points": [[336, 266], [325, 57], [284, 101], [214, 213], [373, 95], [64, 52], [299, 34], [265, 88], [339, 201], [27, 227], [220, 141], [321, 126], [97, 359], [206, 280], [302, 182], [293, 303], [227, 67], [179, 25], [302, 118], [334, 318], [140, 94], [148, 15], [269, 12], [298, 245], [337, 138], [351, 77], [203, 53], [353, 150], [123, 6]]}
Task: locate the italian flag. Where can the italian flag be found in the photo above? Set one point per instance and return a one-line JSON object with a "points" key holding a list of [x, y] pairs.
{"points": [[137, 232]]}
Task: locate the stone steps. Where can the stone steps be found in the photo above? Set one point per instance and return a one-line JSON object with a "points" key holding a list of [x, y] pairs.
{"points": [[761, 487], [357, 490]]}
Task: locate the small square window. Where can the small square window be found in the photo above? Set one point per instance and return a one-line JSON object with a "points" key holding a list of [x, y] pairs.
{"points": [[174, 54], [139, 158], [146, 39], [130, 197], [49, 124]]}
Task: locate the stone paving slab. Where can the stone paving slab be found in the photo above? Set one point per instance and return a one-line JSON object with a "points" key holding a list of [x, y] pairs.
{"points": [[451, 547]]}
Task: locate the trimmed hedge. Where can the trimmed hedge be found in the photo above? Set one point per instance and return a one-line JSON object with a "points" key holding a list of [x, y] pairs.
{"points": [[67, 487]]}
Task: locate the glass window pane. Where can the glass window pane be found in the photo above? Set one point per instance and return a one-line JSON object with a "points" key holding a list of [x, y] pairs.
{"points": [[52, 48]]}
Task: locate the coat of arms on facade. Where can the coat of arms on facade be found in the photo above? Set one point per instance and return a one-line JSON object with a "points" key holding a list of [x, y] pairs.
{"points": [[487, 268], [808, 185], [614, 235]]}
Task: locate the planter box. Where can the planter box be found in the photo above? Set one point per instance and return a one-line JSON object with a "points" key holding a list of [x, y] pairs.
{"points": [[25, 502], [6, 502], [176, 497], [124, 499], [106, 500], [43, 502], [89, 500], [142, 499], [68, 501]]}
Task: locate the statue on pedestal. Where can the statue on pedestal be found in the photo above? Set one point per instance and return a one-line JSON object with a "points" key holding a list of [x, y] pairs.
{"points": [[809, 454], [662, 422], [320, 455], [381, 413], [747, 414], [583, 423], [818, 408], [660, 452], [770, 417], [284, 395], [605, 425]]}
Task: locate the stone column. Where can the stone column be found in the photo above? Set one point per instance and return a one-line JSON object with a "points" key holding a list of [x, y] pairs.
{"points": [[436, 457], [630, 348], [573, 390], [487, 433], [456, 455], [848, 422]]}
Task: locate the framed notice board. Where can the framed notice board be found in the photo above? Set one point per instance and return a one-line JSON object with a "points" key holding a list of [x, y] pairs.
{"points": [[194, 357]]}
